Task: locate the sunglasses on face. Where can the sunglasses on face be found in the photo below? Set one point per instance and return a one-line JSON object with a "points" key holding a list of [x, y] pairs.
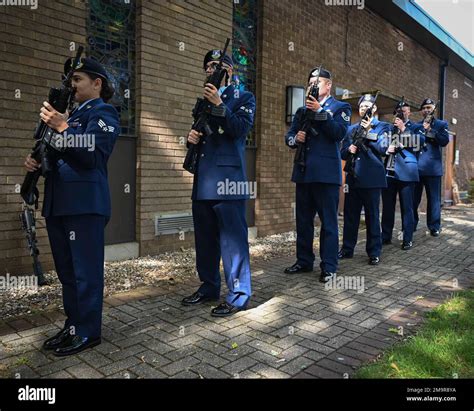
{"points": [[212, 66]]}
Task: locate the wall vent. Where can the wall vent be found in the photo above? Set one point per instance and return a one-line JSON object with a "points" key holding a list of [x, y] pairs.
{"points": [[173, 223]]}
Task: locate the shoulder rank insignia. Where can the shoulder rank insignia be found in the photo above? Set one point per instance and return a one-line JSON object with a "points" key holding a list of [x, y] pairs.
{"points": [[105, 127]]}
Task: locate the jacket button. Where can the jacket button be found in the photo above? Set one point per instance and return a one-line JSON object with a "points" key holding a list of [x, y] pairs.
{"points": [[307, 149], [202, 155], [203, 142]]}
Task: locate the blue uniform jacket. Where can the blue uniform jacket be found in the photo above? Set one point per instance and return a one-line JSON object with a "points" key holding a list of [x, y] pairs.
{"points": [[78, 183], [369, 167], [406, 169], [323, 157], [430, 159], [221, 165]]}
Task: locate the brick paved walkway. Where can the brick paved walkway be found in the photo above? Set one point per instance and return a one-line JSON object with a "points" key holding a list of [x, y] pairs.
{"points": [[294, 327]]}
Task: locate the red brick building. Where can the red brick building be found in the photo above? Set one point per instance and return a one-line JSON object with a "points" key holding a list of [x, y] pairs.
{"points": [[153, 50]]}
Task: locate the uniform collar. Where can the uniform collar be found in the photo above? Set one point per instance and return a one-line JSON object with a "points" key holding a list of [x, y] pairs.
{"points": [[325, 101], [221, 90], [83, 104], [88, 104], [227, 92]]}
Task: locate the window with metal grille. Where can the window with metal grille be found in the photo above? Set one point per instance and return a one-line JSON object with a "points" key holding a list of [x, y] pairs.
{"points": [[111, 41], [244, 50]]}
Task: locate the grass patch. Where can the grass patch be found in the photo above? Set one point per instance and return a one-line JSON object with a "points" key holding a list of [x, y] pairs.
{"points": [[22, 361], [442, 348]]}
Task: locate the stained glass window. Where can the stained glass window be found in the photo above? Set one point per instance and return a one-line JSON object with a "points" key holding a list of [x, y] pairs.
{"points": [[111, 40], [244, 49]]}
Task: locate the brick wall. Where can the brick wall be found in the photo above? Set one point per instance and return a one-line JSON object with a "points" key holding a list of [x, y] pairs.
{"points": [[172, 38], [460, 105], [34, 45]]}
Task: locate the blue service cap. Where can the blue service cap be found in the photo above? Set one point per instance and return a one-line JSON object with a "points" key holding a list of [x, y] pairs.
{"points": [[87, 65], [369, 98], [215, 55], [322, 73], [427, 101]]}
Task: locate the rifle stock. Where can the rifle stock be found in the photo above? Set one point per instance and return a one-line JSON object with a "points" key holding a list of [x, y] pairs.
{"points": [[28, 223]]}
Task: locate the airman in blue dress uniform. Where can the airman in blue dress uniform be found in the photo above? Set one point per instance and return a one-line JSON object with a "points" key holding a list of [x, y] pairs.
{"points": [[364, 185], [430, 166], [220, 227], [402, 146], [77, 204], [317, 185]]}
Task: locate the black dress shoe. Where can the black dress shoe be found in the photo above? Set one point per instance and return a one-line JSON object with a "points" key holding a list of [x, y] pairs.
{"points": [[57, 340], [326, 276], [386, 242], [344, 254], [225, 309], [75, 345], [196, 298], [434, 233], [407, 245], [296, 268], [374, 260]]}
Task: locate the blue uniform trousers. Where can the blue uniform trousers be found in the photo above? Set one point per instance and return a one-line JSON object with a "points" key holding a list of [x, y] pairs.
{"points": [[220, 230], [354, 200], [321, 198], [433, 210], [77, 243], [405, 190]]}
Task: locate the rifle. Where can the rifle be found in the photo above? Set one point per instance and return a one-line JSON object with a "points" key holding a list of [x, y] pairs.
{"points": [[360, 138], [61, 99], [201, 112], [430, 119], [28, 224], [395, 138], [46, 143], [300, 155]]}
